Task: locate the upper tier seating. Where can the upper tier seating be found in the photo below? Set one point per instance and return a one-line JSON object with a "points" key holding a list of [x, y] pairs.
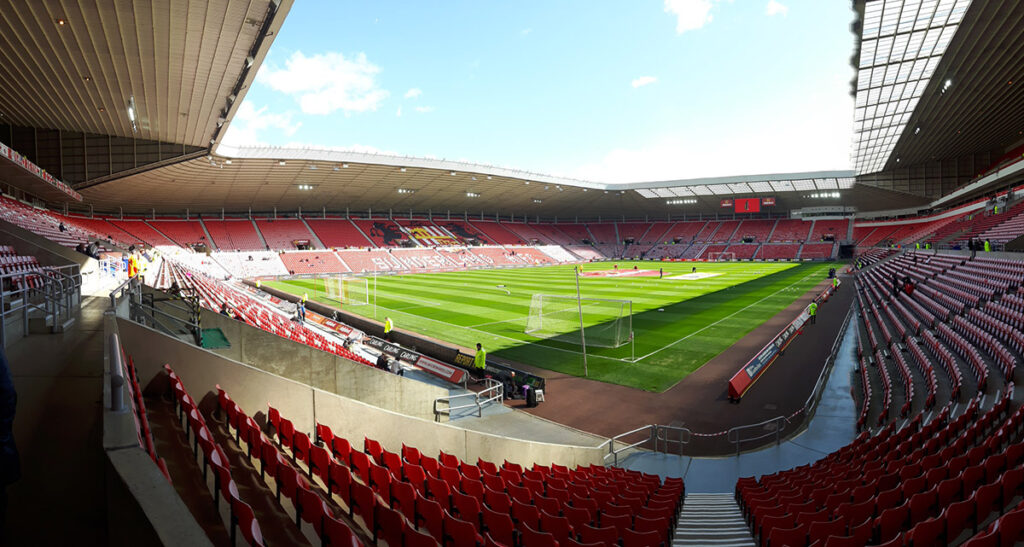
{"points": [[338, 233], [635, 230], [468, 234], [428, 234], [1011, 227], [791, 230], [526, 232], [744, 251], [234, 235], [728, 231], [577, 233], [282, 233], [383, 232], [836, 228], [708, 231], [182, 232], [758, 229], [604, 232], [499, 233], [547, 232], [659, 233], [47, 224], [139, 230]]}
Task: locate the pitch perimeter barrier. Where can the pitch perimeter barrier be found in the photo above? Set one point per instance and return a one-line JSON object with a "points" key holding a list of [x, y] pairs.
{"points": [[745, 378]]}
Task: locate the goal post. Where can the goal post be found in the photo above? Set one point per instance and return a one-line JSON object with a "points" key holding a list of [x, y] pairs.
{"points": [[350, 291], [607, 323], [721, 256]]}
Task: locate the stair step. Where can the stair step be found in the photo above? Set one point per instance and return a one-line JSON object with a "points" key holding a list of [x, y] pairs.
{"points": [[713, 520]]}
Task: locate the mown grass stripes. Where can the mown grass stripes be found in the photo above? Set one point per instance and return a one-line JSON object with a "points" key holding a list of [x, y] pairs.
{"points": [[679, 324]]}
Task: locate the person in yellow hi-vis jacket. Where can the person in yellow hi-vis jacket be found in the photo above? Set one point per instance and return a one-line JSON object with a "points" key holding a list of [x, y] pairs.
{"points": [[389, 326], [812, 310]]}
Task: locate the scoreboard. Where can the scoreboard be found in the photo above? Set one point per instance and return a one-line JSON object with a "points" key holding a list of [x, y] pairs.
{"points": [[748, 205]]}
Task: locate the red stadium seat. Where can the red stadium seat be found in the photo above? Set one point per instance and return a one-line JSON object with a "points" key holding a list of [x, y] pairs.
{"points": [[533, 538], [499, 526]]}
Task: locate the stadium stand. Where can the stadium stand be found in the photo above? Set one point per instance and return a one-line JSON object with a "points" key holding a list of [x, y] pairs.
{"points": [[836, 228], [638, 231], [527, 232], [708, 231], [817, 250], [251, 263], [578, 234], [547, 232], [47, 224], [182, 232], [791, 230], [760, 230], [500, 233], [604, 233], [743, 251], [727, 231], [383, 232], [468, 234], [312, 262], [778, 251], [339, 233], [282, 233], [141, 231], [234, 235]]}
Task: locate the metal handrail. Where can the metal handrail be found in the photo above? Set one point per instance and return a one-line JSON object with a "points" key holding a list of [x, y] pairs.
{"points": [[58, 292], [480, 399], [614, 453]]}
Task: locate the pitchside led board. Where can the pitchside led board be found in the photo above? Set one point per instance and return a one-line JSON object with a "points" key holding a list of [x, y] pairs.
{"points": [[748, 205]]}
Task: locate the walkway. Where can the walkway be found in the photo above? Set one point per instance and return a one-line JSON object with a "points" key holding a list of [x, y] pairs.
{"points": [[712, 519], [61, 497], [831, 427]]}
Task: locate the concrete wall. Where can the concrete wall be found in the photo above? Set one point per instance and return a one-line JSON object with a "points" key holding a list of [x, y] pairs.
{"points": [[253, 388], [307, 365], [142, 507]]}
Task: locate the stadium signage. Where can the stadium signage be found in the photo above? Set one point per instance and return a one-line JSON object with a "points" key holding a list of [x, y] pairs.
{"points": [[746, 376], [22, 161], [433, 366]]}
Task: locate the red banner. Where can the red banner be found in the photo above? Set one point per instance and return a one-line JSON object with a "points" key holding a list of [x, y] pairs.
{"points": [[6, 152]]}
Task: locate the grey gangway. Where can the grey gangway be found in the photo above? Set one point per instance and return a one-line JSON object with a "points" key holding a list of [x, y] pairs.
{"points": [[712, 520]]}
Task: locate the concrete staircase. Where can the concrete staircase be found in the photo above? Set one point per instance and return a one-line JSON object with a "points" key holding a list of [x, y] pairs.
{"points": [[712, 520]]}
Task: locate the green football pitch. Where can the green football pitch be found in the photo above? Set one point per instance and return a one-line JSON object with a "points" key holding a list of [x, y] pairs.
{"points": [[678, 324]]}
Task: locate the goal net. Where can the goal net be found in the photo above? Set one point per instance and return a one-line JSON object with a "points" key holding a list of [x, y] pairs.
{"points": [[721, 257], [350, 291], [607, 323]]}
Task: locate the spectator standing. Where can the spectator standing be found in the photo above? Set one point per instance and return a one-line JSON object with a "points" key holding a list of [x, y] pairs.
{"points": [[480, 360], [389, 326], [812, 310]]}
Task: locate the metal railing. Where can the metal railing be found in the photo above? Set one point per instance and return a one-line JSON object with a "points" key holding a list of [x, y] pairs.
{"points": [[495, 391], [170, 317], [56, 294], [659, 437]]}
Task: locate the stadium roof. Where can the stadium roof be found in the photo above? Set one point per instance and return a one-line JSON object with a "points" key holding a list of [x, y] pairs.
{"points": [[237, 180], [182, 65], [917, 103]]}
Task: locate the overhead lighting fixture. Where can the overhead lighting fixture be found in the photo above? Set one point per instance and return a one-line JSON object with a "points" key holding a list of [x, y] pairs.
{"points": [[917, 130], [535, 200], [402, 169], [101, 110], [688, 201], [249, 61], [336, 168], [305, 187], [132, 114], [281, 162], [312, 167], [527, 182], [232, 97], [452, 173], [897, 160], [227, 162], [87, 78], [472, 195], [474, 178], [819, 195], [488, 177], [344, 166], [61, 21], [406, 191]]}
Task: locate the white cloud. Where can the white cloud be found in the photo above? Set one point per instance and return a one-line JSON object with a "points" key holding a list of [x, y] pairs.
{"points": [[775, 8], [398, 113], [327, 82], [249, 124], [643, 80], [413, 93], [690, 14], [424, 109], [526, 31]]}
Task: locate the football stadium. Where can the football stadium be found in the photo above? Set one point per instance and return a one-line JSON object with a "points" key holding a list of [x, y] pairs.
{"points": [[705, 273]]}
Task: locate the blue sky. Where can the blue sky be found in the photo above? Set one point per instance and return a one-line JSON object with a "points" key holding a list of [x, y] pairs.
{"points": [[599, 90]]}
